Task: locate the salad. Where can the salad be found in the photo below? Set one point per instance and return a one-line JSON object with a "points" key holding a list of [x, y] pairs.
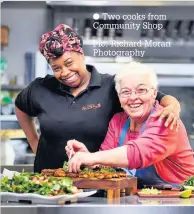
{"points": [[38, 184]]}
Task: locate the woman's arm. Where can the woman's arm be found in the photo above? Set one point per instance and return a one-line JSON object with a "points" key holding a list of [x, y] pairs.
{"points": [[171, 110], [155, 144], [169, 101], [26, 107], [116, 157], [28, 126]]}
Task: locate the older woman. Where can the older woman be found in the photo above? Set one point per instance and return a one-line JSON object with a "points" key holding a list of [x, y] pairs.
{"points": [[76, 103], [158, 154]]}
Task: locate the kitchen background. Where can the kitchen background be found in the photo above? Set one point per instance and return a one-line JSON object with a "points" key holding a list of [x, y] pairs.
{"points": [[22, 24]]}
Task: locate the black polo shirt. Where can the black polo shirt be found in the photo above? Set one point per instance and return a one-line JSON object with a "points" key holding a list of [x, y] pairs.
{"points": [[63, 117]]}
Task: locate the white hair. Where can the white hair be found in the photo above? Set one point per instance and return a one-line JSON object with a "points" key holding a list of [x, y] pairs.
{"points": [[133, 69]]}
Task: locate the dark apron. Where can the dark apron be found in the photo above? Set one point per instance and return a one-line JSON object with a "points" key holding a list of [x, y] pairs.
{"points": [[147, 175]]}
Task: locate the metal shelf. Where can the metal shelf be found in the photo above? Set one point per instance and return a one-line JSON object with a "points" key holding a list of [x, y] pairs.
{"points": [[96, 42], [117, 3], [181, 82], [8, 117], [13, 134], [12, 87]]}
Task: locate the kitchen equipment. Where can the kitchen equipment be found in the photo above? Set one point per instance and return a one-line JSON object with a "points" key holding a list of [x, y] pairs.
{"points": [[112, 186], [13, 133], [70, 155], [40, 199], [177, 22], [4, 35], [169, 74], [7, 105], [160, 186], [7, 154], [164, 194]]}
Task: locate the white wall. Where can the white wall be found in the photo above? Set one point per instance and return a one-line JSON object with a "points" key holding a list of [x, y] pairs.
{"points": [[27, 21]]}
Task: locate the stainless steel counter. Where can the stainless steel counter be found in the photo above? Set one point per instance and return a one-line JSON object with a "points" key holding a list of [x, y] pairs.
{"points": [[96, 205], [100, 205]]}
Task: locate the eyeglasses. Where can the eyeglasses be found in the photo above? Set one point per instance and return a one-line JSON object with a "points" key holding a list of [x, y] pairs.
{"points": [[125, 93]]}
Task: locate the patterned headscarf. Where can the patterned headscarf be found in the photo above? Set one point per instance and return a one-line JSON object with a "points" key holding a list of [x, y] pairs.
{"points": [[55, 43]]}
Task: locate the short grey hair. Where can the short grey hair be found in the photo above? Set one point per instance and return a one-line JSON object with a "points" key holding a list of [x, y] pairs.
{"points": [[135, 68]]}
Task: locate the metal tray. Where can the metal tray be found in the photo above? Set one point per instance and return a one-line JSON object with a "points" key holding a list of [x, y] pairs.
{"points": [[40, 199]]}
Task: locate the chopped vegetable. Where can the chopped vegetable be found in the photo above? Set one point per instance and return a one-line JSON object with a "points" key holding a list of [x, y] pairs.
{"points": [[189, 187], [186, 193], [65, 166], [151, 191], [39, 184]]}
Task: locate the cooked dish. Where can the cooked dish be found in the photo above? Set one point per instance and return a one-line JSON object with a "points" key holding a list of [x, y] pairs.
{"points": [[96, 173]]}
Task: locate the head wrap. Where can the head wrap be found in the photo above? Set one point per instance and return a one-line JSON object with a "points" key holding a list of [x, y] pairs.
{"points": [[55, 43]]}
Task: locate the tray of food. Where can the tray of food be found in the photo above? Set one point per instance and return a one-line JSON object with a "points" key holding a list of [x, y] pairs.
{"points": [[38, 188], [97, 173], [186, 190], [155, 193], [104, 178]]}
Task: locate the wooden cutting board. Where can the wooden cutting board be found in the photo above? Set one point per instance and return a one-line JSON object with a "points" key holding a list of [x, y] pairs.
{"points": [[112, 186], [164, 194]]}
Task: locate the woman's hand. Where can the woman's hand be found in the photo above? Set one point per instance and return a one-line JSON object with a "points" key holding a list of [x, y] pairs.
{"points": [[172, 113], [75, 146], [81, 158], [34, 145]]}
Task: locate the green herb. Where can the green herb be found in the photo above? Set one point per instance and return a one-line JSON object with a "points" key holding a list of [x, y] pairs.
{"points": [[36, 183], [189, 181], [65, 166]]}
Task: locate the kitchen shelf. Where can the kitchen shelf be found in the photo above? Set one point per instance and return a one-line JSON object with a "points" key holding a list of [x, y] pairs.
{"points": [[13, 133], [96, 42], [191, 136], [181, 82], [8, 117], [109, 3], [12, 87]]}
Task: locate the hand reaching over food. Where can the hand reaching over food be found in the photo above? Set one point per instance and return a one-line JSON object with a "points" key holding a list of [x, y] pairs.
{"points": [[94, 173], [74, 146], [79, 159]]}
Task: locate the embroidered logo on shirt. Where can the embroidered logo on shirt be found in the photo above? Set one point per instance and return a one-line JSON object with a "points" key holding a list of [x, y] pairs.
{"points": [[91, 106]]}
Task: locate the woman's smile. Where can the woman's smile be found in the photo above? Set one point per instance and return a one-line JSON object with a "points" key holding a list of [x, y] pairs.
{"points": [[135, 105], [71, 78]]}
